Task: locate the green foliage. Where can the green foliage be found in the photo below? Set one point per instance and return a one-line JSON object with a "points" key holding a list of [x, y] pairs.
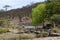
{"points": [[53, 8], [5, 22], [56, 16], [3, 30], [57, 8], [45, 11], [37, 14], [1, 22]]}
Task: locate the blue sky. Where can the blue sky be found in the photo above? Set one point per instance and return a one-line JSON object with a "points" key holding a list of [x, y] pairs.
{"points": [[17, 3]]}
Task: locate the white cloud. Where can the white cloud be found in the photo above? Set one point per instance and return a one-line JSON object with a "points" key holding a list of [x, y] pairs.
{"points": [[16, 3]]}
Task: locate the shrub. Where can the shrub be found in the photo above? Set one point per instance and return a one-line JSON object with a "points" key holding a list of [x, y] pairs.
{"points": [[3, 30], [42, 35]]}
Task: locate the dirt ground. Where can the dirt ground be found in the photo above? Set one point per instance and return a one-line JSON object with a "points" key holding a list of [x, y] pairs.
{"points": [[48, 38], [10, 35]]}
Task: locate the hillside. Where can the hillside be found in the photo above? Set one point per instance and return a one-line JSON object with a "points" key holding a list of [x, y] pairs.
{"points": [[24, 11], [19, 16]]}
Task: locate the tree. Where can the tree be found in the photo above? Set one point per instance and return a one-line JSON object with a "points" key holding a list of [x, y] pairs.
{"points": [[45, 12], [37, 14], [52, 7], [6, 7]]}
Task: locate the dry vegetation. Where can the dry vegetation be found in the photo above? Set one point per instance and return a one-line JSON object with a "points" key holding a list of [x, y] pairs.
{"points": [[11, 36]]}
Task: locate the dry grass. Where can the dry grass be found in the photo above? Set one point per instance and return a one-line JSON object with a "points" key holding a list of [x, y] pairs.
{"points": [[27, 36], [3, 30], [10, 36], [56, 29]]}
